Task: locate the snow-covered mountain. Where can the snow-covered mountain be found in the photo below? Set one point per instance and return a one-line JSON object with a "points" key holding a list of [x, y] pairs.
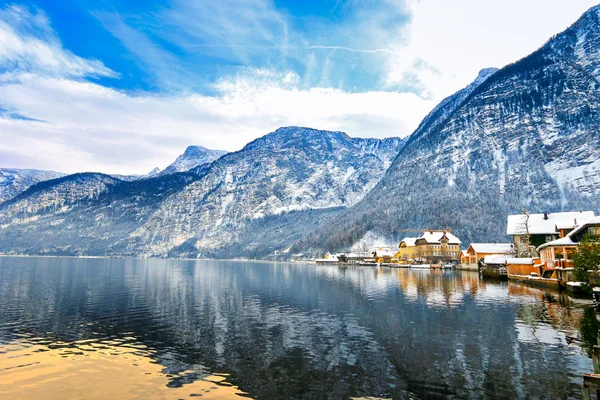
{"points": [[276, 187], [528, 136], [14, 181], [193, 157]]}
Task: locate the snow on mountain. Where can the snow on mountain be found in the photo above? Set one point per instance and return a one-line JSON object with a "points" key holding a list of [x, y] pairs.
{"points": [[527, 136], [14, 181], [276, 185], [193, 157]]}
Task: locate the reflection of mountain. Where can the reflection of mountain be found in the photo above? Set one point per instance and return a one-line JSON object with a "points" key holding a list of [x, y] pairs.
{"points": [[294, 331]]}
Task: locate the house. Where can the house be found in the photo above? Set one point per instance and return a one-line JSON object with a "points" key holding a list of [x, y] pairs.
{"points": [[407, 251], [327, 259], [522, 266], [557, 253], [478, 251], [464, 258], [383, 255], [529, 231], [437, 246], [494, 266]]}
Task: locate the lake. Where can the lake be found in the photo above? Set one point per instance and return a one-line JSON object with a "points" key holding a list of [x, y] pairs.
{"points": [[124, 328]]}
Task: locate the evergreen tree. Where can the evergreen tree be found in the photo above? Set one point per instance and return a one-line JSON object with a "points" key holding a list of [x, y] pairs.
{"points": [[586, 258]]}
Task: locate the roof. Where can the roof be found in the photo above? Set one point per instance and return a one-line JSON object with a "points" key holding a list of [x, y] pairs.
{"points": [[538, 225], [566, 241], [436, 236], [464, 252], [519, 261], [495, 259], [591, 221], [410, 242], [492, 248], [385, 253]]}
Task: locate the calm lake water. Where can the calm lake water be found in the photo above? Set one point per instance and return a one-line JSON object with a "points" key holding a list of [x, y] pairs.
{"points": [[108, 328]]}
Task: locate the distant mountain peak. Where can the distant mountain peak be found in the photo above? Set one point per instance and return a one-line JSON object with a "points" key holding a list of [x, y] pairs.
{"points": [[192, 157], [154, 172]]}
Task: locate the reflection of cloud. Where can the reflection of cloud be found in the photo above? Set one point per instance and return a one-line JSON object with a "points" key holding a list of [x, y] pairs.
{"points": [[66, 370], [539, 333]]}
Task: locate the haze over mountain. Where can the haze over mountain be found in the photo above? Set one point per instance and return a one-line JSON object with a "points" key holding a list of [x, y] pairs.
{"points": [[526, 137], [14, 181], [205, 210]]}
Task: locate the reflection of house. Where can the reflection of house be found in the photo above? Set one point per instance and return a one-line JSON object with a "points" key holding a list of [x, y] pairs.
{"points": [[557, 253], [532, 230], [478, 251], [436, 246], [407, 251]]}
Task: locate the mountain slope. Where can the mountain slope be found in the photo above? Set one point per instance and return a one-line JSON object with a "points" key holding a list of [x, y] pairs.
{"points": [[526, 137], [14, 181], [214, 209], [193, 157], [292, 169]]}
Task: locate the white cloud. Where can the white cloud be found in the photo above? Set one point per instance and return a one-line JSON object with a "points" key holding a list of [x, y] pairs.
{"points": [[80, 125], [28, 44], [455, 39], [90, 127]]}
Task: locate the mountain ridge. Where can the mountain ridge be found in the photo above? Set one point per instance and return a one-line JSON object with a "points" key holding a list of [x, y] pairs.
{"points": [[526, 137], [292, 171]]}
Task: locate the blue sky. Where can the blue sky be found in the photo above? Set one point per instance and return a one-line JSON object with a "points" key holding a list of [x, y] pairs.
{"points": [[122, 86]]}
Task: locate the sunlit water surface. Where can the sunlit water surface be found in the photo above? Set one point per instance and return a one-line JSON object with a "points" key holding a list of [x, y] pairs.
{"points": [[110, 328]]}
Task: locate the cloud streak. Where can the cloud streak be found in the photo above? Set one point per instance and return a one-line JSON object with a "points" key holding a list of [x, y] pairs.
{"points": [[91, 127], [28, 44]]}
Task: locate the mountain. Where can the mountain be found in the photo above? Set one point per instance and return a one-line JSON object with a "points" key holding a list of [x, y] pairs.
{"points": [[247, 203], [527, 136], [14, 181], [155, 172], [193, 157]]}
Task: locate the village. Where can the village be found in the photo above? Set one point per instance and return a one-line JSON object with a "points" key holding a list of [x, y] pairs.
{"points": [[539, 254]]}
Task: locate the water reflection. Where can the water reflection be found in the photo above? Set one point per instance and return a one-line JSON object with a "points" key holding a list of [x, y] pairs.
{"points": [[285, 331]]}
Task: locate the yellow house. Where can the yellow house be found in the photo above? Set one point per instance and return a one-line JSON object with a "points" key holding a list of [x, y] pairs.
{"points": [[407, 252], [437, 246], [478, 251]]}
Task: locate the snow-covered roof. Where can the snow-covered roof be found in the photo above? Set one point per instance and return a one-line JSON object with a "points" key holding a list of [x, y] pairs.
{"points": [[492, 248], [409, 241], [566, 241], [385, 253], [519, 261], [464, 252], [495, 259], [436, 236], [544, 224], [591, 221]]}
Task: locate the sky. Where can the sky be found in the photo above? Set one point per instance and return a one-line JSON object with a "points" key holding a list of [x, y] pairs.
{"points": [[120, 86]]}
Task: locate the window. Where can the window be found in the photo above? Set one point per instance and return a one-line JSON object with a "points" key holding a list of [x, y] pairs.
{"points": [[523, 239]]}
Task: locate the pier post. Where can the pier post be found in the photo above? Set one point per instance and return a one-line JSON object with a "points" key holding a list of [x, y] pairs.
{"points": [[590, 382]]}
